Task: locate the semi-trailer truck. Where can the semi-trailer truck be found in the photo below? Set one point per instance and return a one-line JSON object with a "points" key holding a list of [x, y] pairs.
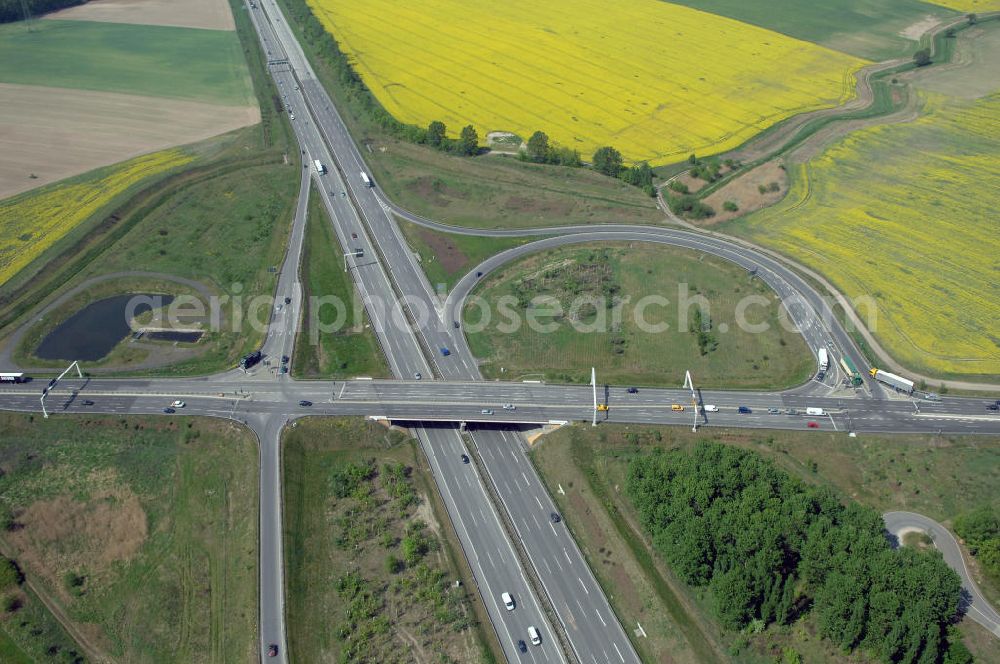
{"points": [[320, 168], [892, 380], [824, 360]]}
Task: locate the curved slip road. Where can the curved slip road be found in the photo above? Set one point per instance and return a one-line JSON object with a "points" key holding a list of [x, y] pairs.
{"points": [[975, 605]]}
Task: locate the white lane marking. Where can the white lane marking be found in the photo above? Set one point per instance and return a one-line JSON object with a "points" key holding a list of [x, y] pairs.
{"points": [[568, 559], [619, 652], [539, 503], [600, 617], [582, 585], [492, 564]]}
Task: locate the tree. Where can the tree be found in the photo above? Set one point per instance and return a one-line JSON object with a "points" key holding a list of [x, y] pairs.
{"points": [[608, 161], [538, 147], [436, 132], [972, 19], [468, 141], [922, 58]]}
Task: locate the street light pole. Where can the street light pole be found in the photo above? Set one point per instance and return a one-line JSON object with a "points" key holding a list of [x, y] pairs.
{"points": [[689, 383], [593, 383]]}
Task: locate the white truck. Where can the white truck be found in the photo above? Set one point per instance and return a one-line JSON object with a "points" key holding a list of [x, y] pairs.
{"points": [[320, 168], [824, 360], [892, 380], [366, 179], [816, 412]]}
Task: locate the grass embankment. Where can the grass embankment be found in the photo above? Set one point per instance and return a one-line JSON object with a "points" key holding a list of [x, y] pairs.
{"points": [[446, 257], [351, 348], [223, 222], [717, 350], [485, 192], [937, 476], [370, 556], [158, 61], [141, 532]]}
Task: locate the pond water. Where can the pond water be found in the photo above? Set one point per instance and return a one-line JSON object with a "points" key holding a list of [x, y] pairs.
{"points": [[95, 330], [173, 335]]}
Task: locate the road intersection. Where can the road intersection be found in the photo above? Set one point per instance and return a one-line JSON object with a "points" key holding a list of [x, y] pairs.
{"points": [[541, 565]]}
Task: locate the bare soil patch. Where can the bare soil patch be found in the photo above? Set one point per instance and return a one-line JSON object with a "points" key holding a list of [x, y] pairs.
{"points": [[916, 30], [745, 192], [55, 133], [209, 14], [524, 204], [448, 254]]}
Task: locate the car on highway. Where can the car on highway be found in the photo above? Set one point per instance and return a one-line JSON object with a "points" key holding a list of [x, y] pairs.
{"points": [[554, 517], [486, 411], [455, 324], [465, 458], [509, 406], [272, 650], [792, 411], [178, 404], [305, 404], [417, 375], [812, 425], [283, 370], [522, 646], [536, 638], [992, 406], [633, 390], [291, 116], [285, 359], [709, 408], [169, 411], [744, 410], [774, 411], [508, 601], [445, 352], [354, 236], [88, 402], [676, 407], [288, 300]]}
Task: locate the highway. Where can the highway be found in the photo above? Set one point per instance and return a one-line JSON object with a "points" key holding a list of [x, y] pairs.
{"points": [[412, 324]]}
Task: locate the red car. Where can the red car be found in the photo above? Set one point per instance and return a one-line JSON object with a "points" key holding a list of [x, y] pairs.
{"points": [[813, 425], [272, 650]]}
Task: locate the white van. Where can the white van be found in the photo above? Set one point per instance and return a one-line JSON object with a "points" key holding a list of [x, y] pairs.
{"points": [[508, 601], [536, 638], [819, 412], [711, 409]]}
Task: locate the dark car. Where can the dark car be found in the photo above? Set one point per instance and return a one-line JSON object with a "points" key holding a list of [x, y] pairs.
{"points": [[479, 274], [354, 236], [169, 411], [288, 300], [88, 402], [454, 324], [445, 352], [633, 390], [465, 458], [744, 410], [521, 645], [283, 370], [284, 359], [305, 403], [555, 517], [272, 650], [992, 406]]}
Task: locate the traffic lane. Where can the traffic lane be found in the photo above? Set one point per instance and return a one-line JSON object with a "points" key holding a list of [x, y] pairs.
{"points": [[563, 570], [487, 548], [978, 609]]}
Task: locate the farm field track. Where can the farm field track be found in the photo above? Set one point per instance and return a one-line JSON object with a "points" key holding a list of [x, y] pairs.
{"points": [[140, 534], [652, 84], [33, 221], [872, 29], [207, 14], [902, 214], [158, 61], [55, 133]]}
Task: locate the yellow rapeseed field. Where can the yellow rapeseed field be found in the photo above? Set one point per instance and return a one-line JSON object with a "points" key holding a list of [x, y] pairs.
{"points": [[907, 214], [32, 222], [969, 5], [657, 81]]}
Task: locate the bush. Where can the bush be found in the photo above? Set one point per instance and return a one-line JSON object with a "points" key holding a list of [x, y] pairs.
{"points": [[730, 206], [10, 574], [679, 187]]}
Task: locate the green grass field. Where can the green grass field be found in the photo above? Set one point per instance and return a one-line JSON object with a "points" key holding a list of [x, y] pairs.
{"points": [[937, 476], [181, 63], [345, 352], [865, 28], [143, 531], [367, 582], [446, 257], [624, 353]]}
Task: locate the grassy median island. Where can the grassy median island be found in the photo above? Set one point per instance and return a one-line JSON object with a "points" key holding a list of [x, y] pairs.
{"points": [[937, 476], [348, 349], [137, 538], [371, 560], [575, 294]]}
